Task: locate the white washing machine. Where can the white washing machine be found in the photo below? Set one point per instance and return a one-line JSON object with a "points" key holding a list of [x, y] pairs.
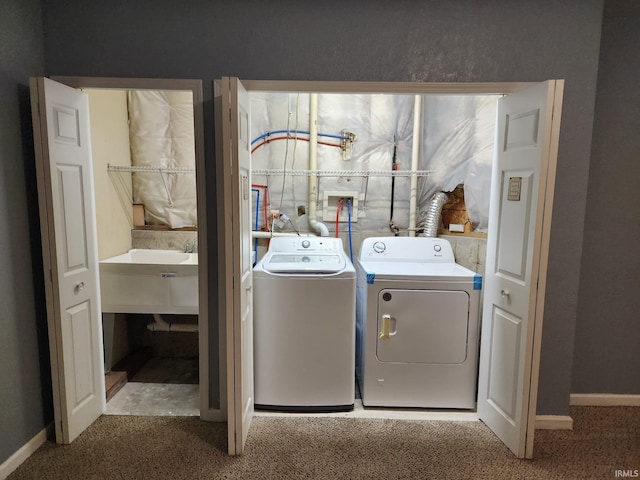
{"points": [[304, 326], [417, 324]]}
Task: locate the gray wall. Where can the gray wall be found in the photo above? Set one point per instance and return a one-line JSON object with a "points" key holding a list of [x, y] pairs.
{"points": [[378, 40], [608, 331], [25, 392]]}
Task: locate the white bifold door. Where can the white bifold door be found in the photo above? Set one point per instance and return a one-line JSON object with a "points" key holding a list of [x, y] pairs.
{"points": [[234, 144], [67, 218], [517, 253]]}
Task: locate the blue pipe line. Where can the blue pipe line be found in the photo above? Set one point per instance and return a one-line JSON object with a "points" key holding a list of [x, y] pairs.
{"points": [[306, 132], [349, 223], [255, 240], [332, 135]]}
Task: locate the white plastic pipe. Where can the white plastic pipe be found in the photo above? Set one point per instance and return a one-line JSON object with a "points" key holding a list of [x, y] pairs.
{"points": [[415, 155], [160, 325], [319, 227]]}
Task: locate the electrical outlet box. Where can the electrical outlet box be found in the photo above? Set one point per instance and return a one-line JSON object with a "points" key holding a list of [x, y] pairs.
{"points": [[330, 199]]}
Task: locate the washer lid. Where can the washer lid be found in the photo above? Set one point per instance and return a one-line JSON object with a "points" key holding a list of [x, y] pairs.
{"points": [[304, 263]]}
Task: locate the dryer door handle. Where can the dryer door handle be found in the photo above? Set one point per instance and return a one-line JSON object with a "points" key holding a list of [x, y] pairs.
{"points": [[386, 328]]}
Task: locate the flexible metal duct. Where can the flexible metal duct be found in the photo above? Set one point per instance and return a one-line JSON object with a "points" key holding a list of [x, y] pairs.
{"points": [[431, 220]]}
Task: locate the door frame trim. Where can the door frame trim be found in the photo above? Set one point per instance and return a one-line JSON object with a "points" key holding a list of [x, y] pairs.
{"points": [[195, 86], [459, 88], [408, 88]]}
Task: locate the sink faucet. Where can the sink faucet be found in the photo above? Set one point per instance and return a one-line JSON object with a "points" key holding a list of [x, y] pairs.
{"points": [[190, 246]]}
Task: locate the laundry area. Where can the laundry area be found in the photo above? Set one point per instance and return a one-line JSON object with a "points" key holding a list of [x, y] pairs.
{"points": [[369, 221]]}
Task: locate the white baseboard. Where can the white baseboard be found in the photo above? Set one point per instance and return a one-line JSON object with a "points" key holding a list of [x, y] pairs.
{"points": [[554, 422], [604, 400], [15, 460]]}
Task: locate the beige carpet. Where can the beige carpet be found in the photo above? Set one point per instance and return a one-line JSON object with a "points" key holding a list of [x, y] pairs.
{"points": [[604, 440]]}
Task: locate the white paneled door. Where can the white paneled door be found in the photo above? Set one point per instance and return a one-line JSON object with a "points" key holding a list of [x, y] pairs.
{"points": [[234, 135], [517, 254], [67, 219]]}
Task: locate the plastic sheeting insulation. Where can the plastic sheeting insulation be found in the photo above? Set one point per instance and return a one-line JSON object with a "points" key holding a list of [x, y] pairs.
{"points": [[161, 131], [457, 144]]}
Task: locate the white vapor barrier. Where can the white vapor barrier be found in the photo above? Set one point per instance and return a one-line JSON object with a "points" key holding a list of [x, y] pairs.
{"points": [[453, 141], [162, 135], [457, 146]]}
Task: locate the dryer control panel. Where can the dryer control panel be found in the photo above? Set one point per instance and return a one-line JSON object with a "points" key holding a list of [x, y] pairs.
{"points": [[407, 249]]}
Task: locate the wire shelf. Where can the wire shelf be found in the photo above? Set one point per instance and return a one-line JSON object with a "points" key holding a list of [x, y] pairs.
{"points": [[343, 173]]}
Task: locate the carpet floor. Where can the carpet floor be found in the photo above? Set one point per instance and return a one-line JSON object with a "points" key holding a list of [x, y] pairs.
{"points": [[604, 439]]}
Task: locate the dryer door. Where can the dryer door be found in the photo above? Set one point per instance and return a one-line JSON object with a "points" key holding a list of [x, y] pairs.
{"points": [[422, 326]]}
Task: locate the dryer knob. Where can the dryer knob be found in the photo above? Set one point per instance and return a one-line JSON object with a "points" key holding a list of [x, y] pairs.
{"points": [[379, 247], [306, 244]]}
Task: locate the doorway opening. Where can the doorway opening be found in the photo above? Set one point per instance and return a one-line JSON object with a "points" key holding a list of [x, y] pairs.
{"points": [[368, 147], [143, 153]]}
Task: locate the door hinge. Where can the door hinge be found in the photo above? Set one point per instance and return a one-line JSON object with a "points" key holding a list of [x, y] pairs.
{"points": [[51, 275]]}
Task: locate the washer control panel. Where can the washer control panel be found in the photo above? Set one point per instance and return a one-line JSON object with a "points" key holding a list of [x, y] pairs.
{"points": [[318, 255], [305, 244], [414, 249]]}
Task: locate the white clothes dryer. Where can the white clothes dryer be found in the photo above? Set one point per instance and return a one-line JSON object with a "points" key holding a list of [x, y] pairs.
{"points": [[304, 326], [417, 324]]}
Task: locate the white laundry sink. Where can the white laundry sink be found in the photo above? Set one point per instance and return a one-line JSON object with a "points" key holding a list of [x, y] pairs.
{"points": [[150, 281]]}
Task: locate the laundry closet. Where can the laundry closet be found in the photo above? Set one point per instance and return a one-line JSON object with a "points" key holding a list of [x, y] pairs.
{"points": [[376, 173], [354, 189]]}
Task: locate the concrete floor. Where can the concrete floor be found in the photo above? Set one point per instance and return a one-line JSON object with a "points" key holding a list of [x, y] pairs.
{"points": [[155, 399], [163, 387]]}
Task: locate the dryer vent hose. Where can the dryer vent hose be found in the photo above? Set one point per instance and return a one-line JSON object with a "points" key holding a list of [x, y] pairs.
{"points": [[431, 218]]}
